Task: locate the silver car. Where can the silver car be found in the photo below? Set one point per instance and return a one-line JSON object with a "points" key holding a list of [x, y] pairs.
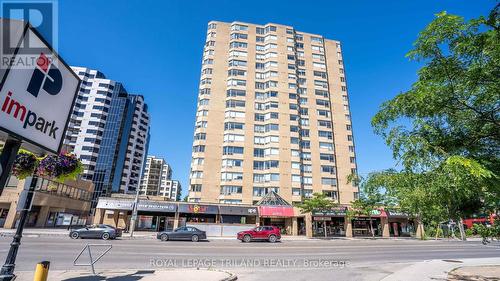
{"points": [[102, 231]]}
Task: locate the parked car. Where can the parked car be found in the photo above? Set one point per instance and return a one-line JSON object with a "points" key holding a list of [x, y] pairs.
{"points": [[269, 233], [183, 233], [102, 231]]}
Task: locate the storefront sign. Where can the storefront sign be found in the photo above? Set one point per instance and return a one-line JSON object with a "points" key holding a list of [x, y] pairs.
{"points": [[322, 218], [334, 212], [378, 213], [276, 211], [238, 210], [396, 214], [198, 209], [156, 206], [115, 204]]}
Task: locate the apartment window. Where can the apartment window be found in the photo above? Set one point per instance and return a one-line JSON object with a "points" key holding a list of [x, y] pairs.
{"points": [[236, 72], [318, 49], [236, 53], [349, 137], [235, 93], [231, 176], [260, 30], [295, 178], [329, 181], [343, 88], [265, 165], [233, 138], [319, 65], [196, 187], [196, 174], [240, 63], [327, 157], [323, 103], [331, 194], [229, 163], [325, 134], [266, 177], [230, 150], [198, 161], [315, 39], [348, 127], [326, 145], [201, 124], [351, 148], [266, 139], [321, 84], [318, 57], [261, 191], [204, 92], [320, 74], [237, 44], [233, 126], [199, 148], [236, 82], [307, 181], [235, 103], [200, 136], [296, 165], [230, 189], [203, 102], [352, 160], [234, 114], [328, 169], [239, 36], [239, 27], [323, 123]]}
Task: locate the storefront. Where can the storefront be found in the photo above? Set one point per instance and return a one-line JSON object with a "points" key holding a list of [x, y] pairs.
{"points": [[197, 213], [238, 215], [155, 215], [399, 224], [279, 216], [330, 223], [362, 225]]}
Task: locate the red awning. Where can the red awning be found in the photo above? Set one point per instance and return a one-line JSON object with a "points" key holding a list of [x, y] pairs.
{"points": [[276, 211]]}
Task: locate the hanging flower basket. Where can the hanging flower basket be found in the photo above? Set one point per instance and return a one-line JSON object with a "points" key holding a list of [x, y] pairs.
{"points": [[56, 167], [60, 167], [24, 165]]}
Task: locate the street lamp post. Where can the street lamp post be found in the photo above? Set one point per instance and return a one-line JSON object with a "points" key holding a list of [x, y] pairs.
{"points": [[7, 271]]}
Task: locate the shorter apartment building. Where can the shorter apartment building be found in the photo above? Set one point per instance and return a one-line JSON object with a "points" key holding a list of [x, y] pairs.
{"points": [[54, 204], [157, 180]]}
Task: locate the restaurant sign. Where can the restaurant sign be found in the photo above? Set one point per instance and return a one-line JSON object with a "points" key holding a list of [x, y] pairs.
{"points": [[276, 211], [114, 204], [198, 209]]}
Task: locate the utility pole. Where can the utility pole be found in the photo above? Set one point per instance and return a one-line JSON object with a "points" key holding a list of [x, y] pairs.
{"points": [[7, 271], [134, 213]]}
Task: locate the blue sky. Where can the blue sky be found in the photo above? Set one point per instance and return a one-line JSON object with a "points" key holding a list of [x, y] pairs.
{"points": [[155, 49]]}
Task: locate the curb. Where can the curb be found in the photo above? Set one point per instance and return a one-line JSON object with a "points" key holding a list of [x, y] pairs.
{"points": [[231, 277]]}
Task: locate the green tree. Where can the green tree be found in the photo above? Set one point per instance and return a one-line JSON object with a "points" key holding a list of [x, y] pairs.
{"points": [[318, 202], [445, 130], [371, 198]]}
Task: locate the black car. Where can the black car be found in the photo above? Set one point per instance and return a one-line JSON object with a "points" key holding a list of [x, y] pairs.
{"points": [[183, 233], [102, 231]]}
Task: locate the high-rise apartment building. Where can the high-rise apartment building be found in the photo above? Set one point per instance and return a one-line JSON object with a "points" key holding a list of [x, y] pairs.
{"points": [[157, 180], [273, 115], [109, 132]]}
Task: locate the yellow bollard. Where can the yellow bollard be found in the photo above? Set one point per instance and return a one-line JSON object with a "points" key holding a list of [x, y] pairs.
{"points": [[42, 271]]}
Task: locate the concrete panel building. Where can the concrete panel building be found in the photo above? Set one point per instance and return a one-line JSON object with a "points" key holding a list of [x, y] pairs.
{"points": [[272, 115]]}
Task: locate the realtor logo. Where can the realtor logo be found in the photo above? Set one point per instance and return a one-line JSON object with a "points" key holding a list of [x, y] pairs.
{"points": [[45, 75], [42, 15]]}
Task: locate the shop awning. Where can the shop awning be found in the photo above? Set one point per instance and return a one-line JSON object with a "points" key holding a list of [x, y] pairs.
{"points": [[156, 206], [238, 210], [276, 211], [198, 209], [115, 204]]}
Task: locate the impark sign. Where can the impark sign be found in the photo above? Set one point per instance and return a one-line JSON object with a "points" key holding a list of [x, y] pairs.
{"points": [[37, 92]]}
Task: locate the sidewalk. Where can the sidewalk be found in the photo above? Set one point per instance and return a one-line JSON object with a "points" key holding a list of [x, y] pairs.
{"points": [[432, 270], [128, 275]]}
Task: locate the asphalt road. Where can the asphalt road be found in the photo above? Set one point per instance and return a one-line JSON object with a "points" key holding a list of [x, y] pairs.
{"points": [[287, 260]]}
